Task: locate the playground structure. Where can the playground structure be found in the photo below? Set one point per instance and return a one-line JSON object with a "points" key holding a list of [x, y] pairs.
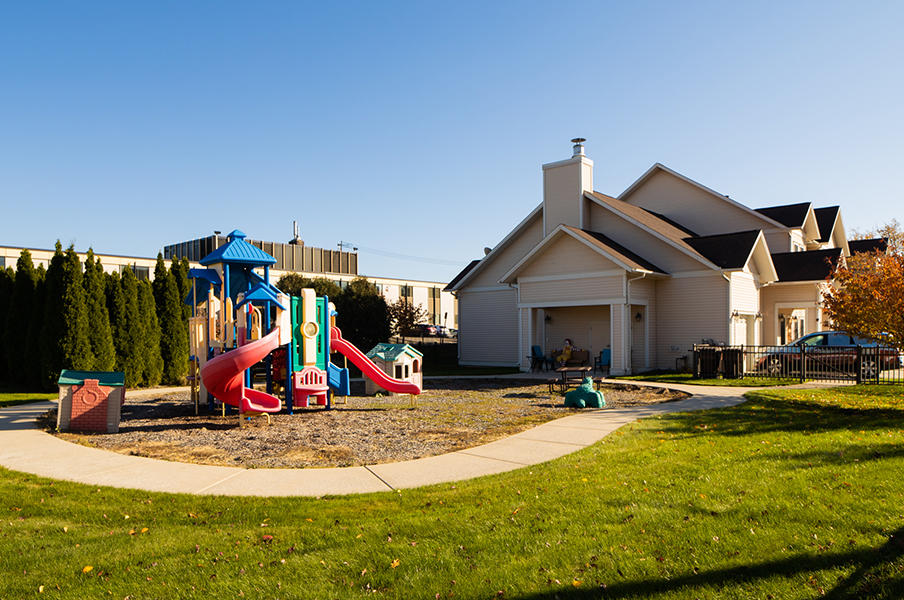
{"points": [[240, 320]]}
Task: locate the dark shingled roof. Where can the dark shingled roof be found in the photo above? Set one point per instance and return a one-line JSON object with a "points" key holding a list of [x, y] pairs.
{"points": [[790, 215], [725, 250], [612, 247], [880, 244], [671, 222], [825, 218], [813, 265], [460, 275]]}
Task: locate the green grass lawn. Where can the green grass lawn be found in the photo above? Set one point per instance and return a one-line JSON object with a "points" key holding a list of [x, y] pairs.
{"points": [[689, 379], [13, 396], [794, 494]]}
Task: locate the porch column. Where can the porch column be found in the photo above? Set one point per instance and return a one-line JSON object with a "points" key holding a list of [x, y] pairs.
{"points": [[527, 336], [621, 339]]}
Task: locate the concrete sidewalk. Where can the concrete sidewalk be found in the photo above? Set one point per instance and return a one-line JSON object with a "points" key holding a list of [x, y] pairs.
{"points": [[23, 447]]}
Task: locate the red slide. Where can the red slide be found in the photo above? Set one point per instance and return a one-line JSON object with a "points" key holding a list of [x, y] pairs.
{"points": [[224, 376], [368, 368]]}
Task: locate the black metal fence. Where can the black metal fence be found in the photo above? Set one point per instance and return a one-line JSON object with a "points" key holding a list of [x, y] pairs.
{"points": [[860, 364]]}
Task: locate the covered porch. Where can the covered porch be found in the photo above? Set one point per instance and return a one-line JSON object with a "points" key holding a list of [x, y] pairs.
{"points": [[622, 329]]}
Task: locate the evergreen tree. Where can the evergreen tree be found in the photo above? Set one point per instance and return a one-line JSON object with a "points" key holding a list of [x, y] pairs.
{"points": [[18, 317], [99, 333], [33, 346], [127, 332], [173, 328], [152, 368], [363, 314], [7, 279], [64, 332]]}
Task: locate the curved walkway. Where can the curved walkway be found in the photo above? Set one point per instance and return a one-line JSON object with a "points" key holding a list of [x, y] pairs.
{"points": [[24, 447]]}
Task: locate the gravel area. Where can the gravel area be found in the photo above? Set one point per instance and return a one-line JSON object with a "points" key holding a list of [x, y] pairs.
{"points": [[451, 414]]}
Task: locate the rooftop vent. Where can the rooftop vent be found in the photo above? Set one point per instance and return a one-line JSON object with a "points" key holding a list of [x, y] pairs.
{"points": [[578, 149]]}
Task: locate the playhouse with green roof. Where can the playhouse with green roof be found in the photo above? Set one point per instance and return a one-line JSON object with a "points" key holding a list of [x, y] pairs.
{"points": [[399, 361]]}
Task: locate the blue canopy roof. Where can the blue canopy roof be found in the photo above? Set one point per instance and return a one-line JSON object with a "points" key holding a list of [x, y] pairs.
{"points": [[237, 251], [262, 292], [210, 275]]}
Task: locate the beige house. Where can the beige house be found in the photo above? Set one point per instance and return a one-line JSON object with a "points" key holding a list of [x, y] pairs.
{"points": [[666, 264]]}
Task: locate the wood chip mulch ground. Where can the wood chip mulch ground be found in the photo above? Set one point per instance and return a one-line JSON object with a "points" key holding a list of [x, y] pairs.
{"points": [[451, 414]]}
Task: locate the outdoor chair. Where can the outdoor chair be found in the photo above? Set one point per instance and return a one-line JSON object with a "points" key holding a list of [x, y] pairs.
{"points": [[603, 361], [538, 360]]}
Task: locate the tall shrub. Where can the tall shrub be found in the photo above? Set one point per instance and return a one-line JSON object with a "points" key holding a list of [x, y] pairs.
{"points": [[33, 347], [7, 279], [99, 333], [173, 328], [127, 329], [19, 316], [152, 363], [64, 331]]}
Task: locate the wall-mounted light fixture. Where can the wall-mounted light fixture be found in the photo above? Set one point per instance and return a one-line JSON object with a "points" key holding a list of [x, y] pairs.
{"points": [[638, 317], [547, 318]]}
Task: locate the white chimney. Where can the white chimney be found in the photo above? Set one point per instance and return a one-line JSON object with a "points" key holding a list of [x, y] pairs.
{"points": [[564, 184]]}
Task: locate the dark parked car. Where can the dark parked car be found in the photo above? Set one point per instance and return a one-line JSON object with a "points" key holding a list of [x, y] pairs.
{"points": [[830, 352], [424, 329]]}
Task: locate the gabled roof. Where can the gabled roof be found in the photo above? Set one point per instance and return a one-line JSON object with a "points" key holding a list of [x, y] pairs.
{"points": [[825, 218], [597, 242], [663, 229], [671, 222], [636, 261], [871, 245], [659, 167], [726, 250], [451, 285], [792, 215], [812, 265], [237, 251], [390, 352], [496, 249]]}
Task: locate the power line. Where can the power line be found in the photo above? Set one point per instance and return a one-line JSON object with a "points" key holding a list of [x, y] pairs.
{"points": [[397, 255]]}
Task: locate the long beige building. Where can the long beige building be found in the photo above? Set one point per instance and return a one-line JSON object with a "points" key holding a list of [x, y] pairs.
{"points": [[441, 307], [666, 264]]}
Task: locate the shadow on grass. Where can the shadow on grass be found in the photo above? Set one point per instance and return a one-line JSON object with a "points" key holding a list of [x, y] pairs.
{"points": [[772, 415], [878, 574]]}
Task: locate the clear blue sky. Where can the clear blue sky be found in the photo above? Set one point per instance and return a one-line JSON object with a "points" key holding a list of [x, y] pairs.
{"points": [[420, 128]]}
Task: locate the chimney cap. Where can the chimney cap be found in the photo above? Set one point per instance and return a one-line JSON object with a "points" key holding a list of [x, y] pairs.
{"points": [[578, 148]]}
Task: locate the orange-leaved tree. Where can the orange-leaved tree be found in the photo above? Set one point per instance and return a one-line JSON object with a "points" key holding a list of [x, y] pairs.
{"points": [[867, 299]]}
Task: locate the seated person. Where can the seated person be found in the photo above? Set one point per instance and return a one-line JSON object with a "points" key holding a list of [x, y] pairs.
{"points": [[565, 356]]}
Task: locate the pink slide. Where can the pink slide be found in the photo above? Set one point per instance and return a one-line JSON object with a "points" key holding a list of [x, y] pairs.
{"points": [[368, 368], [224, 376]]}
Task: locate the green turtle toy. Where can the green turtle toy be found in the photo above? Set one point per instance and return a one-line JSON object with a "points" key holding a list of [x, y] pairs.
{"points": [[585, 396]]}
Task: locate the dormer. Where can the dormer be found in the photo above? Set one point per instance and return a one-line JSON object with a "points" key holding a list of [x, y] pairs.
{"points": [[803, 229]]}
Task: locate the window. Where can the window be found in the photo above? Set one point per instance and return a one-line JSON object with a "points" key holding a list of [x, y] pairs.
{"points": [[142, 273], [818, 339], [839, 339]]}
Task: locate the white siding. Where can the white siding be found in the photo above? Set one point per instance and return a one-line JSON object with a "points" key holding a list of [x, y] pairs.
{"points": [[644, 291], [589, 290], [745, 297], [779, 241], [693, 207], [511, 254], [689, 309], [566, 255], [489, 328]]}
